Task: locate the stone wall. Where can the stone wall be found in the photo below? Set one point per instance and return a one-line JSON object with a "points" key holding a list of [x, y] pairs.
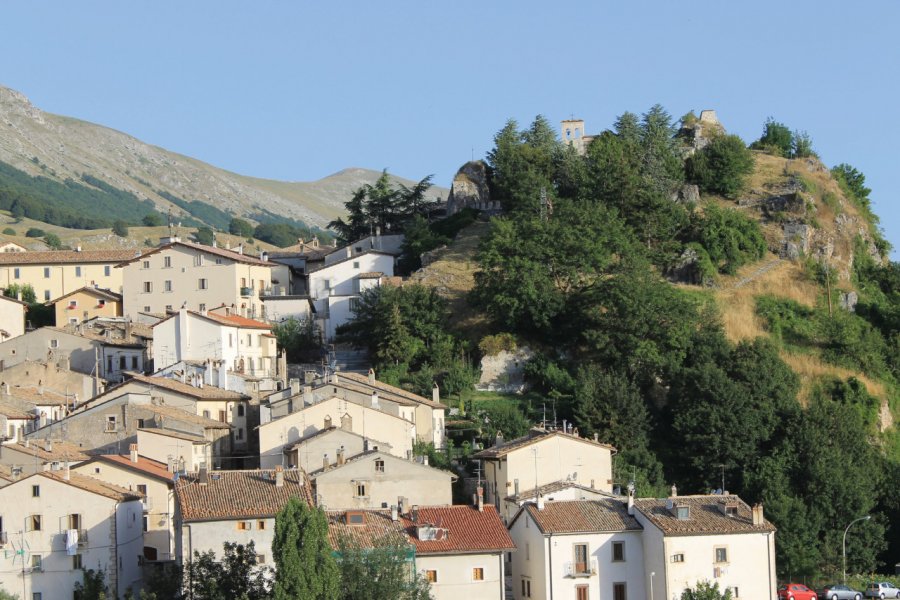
{"points": [[505, 371]]}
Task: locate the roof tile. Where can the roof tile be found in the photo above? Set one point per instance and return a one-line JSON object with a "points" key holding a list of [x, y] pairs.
{"points": [[232, 495], [705, 516]]}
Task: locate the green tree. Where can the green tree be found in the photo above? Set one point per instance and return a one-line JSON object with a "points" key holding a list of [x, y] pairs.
{"points": [[418, 239], [9, 231], [299, 338], [306, 567], [236, 576], [120, 228], [380, 570], [34, 232], [92, 585], [704, 590], [52, 240], [28, 295], [205, 236], [722, 167], [240, 227], [501, 417], [522, 165], [729, 238], [153, 219], [776, 139], [802, 147]]}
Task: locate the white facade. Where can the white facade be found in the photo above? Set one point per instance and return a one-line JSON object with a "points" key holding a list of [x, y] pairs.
{"points": [[38, 511], [12, 318], [477, 576]]}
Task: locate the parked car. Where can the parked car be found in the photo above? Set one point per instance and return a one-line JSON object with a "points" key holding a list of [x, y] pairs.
{"points": [[882, 590], [839, 592], [796, 591]]}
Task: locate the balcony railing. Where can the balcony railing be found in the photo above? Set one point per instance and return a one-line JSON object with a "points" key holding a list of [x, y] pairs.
{"points": [[246, 292], [581, 569]]}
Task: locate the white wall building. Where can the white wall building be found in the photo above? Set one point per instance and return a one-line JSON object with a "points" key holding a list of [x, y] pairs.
{"points": [[53, 524], [12, 318]]}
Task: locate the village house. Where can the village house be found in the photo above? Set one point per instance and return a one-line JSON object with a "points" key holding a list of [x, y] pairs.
{"points": [[180, 274], [54, 524], [55, 376], [10, 246], [12, 318], [27, 457], [375, 479], [233, 506], [311, 452], [245, 346], [181, 451], [542, 457], [14, 422], [459, 549], [45, 404], [85, 304], [57, 272], [154, 483]]}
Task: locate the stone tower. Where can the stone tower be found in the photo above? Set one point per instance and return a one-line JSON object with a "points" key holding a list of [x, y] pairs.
{"points": [[572, 134]]}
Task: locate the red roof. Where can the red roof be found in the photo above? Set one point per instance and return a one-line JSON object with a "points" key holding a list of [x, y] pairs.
{"points": [[151, 467], [238, 321], [463, 529]]}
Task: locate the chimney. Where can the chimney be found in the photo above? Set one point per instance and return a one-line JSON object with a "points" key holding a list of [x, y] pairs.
{"points": [[596, 437], [425, 459], [133, 450], [516, 487], [240, 249], [307, 395], [757, 515], [415, 513], [279, 476], [479, 499], [77, 248], [674, 491], [540, 502], [203, 476], [325, 463], [264, 256], [19, 295], [349, 251], [375, 399], [498, 439], [340, 456], [394, 513], [435, 392], [295, 387], [631, 499], [309, 376], [565, 426], [404, 504], [5, 388], [67, 473], [371, 376], [334, 378]]}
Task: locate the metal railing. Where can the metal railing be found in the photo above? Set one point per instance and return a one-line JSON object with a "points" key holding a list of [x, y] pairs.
{"points": [[581, 569]]}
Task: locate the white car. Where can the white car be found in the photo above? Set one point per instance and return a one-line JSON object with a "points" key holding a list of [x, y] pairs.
{"points": [[882, 590]]}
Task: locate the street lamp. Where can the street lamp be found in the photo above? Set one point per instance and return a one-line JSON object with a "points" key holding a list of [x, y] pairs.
{"points": [[844, 543]]}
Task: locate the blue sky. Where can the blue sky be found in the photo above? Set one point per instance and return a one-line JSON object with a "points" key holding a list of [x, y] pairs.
{"points": [[298, 90]]}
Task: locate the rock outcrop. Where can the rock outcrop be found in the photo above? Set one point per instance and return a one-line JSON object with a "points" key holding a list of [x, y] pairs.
{"points": [[470, 189]]}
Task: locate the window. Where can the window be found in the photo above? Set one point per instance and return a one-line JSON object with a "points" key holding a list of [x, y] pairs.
{"points": [[46, 295], [36, 561], [678, 558], [111, 422], [109, 364], [37, 596], [168, 308], [261, 525], [46, 272], [478, 574], [354, 304], [148, 287], [167, 262], [77, 271], [54, 343], [134, 362], [260, 559], [202, 284], [167, 285], [141, 489], [106, 270], [527, 551], [721, 555], [145, 524], [34, 523], [526, 588], [222, 416], [683, 513], [205, 414], [240, 410], [581, 592], [244, 526], [146, 309], [76, 561], [240, 434], [230, 341], [146, 264], [379, 466], [619, 591], [16, 273], [618, 551], [734, 592], [122, 363], [35, 491], [249, 340], [431, 576], [356, 517], [361, 490], [202, 307], [581, 558], [355, 264], [74, 521], [198, 260]]}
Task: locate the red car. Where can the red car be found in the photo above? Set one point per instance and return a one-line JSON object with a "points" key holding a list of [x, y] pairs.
{"points": [[796, 591]]}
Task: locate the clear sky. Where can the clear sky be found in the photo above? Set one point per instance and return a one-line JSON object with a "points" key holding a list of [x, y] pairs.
{"points": [[296, 90]]}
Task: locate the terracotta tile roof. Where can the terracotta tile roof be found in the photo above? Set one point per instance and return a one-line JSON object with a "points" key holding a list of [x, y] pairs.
{"points": [[50, 450], [384, 387], [556, 486], [92, 485], [13, 412], [236, 320], [93, 291], [705, 516], [330, 430], [207, 392], [54, 257], [42, 396], [385, 456], [178, 435], [229, 254], [184, 416], [348, 258], [468, 531], [147, 466], [238, 494], [582, 516], [6, 473], [309, 250], [535, 435], [371, 275]]}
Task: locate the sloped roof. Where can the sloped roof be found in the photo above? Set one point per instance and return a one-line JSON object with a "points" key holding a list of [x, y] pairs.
{"points": [[49, 450], [705, 516], [385, 387], [330, 430], [582, 516], [535, 435], [13, 412], [237, 321], [144, 465], [469, 531], [207, 392], [348, 258], [40, 396], [91, 290], [232, 495], [229, 254], [89, 484], [556, 486], [390, 458], [54, 257], [184, 416]]}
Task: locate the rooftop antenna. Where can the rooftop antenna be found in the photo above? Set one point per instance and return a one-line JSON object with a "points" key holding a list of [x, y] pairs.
{"points": [[169, 220], [723, 477]]}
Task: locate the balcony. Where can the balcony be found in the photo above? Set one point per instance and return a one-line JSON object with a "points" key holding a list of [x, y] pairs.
{"points": [[581, 569], [246, 292], [82, 538]]}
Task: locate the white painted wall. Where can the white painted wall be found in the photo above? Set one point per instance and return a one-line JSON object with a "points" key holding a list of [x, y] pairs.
{"points": [[12, 319], [455, 575]]}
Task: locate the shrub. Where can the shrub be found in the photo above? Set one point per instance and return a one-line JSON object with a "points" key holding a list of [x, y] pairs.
{"points": [[240, 227], [776, 139], [492, 345], [802, 145], [152, 220], [205, 236], [120, 228], [722, 166], [34, 232], [731, 239], [52, 240], [27, 291], [9, 231]]}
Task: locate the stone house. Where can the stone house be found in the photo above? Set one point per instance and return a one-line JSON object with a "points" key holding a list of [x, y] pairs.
{"points": [[55, 376], [85, 304], [179, 450], [27, 457], [376, 479], [181, 274], [233, 506], [154, 483], [14, 422], [543, 457], [54, 524], [311, 452], [459, 549], [58, 272]]}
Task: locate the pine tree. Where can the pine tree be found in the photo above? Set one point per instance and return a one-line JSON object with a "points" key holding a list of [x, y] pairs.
{"points": [[305, 564]]}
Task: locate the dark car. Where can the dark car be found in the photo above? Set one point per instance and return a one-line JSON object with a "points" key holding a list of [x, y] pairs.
{"points": [[796, 591], [839, 592], [882, 589]]}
